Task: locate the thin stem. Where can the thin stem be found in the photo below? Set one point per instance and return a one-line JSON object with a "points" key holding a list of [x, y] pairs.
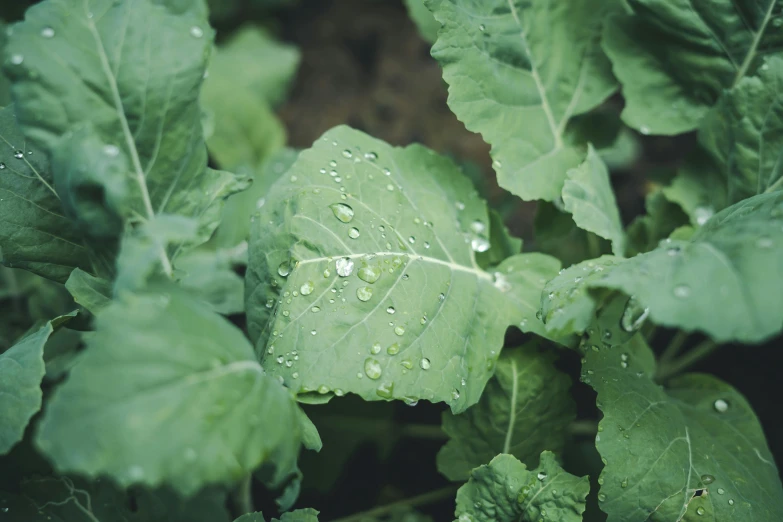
{"points": [[420, 500], [775, 186], [690, 358], [243, 497], [674, 348], [587, 428], [423, 431]]}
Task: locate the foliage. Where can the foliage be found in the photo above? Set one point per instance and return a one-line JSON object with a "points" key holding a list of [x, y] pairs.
{"points": [[183, 342]]}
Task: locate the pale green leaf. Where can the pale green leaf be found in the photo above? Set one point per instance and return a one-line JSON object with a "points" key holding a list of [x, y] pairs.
{"points": [[588, 195], [93, 293], [526, 408], [211, 275], [358, 235], [517, 73], [422, 17], [35, 234], [674, 57], [21, 371], [167, 392], [506, 491], [726, 280], [692, 451], [92, 62]]}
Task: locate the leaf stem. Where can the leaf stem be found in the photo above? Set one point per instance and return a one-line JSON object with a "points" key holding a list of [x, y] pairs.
{"points": [[243, 496], [423, 431], [702, 350], [674, 348], [420, 500]]}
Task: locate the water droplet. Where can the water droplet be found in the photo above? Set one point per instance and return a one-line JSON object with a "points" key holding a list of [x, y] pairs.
{"points": [[344, 266], [385, 390], [764, 242], [454, 395], [196, 32], [280, 359], [411, 401], [721, 491], [312, 332], [370, 156], [369, 274], [460, 205], [306, 288], [364, 293], [500, 282], [375, 349], [479, 244], [682, 291], [323, 389], [624, 484], [541, 475], [425, 364], [387, 172], [18, 154], [634, 315], [600, 481], [707, 479], [644, 130], [47, 32], [731, 501], [347, 154], [284, 269], [423, 319], [482, 28], [700, 511], [390, 310], [353, 233], [2, 166], [390, 187], [17, 59], [441, 297], [721, 406], [399, 330], [342, 212], [601, 497], [702, 214], [411, 240], [393, 349], [372, 368]]}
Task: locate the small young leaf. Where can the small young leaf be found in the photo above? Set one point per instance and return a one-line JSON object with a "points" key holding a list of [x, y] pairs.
{"points": [[734, 258], [587, 194], [525, 408], [21, 371], [363, 276], [506, 491], [695, 448], [167, 392], [93, 293], [518, 72], [674, 57]]}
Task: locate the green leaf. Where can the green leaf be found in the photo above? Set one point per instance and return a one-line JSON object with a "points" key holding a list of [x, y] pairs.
{"points": [[693, 451], [143, 105], [93, 293], [71, 499], [588, 195], [674, 57], [557, 235], [506, 491], [21, 371], [501, 243], [526, 408], [252, 517], [167, 391], [35, 234], [517, 73], [358, 235], [422, 17], [299, 515], [211, 275], [734, 258], [663, 217]]}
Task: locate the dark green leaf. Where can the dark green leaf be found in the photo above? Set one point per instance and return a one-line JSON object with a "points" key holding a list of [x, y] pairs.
{"points": [[525, 408], [299, 515], [506, 491], [663, 217], [167, 391]]}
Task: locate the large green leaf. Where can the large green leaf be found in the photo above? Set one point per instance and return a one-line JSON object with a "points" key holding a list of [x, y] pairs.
{"points": [[518, 71], [588, 195], [363, 278], [90, 67], [167, 391], [35, 234], [726, 280], [526, 408], [692, 451], [21, 371], [675, 57], [506, 491]]}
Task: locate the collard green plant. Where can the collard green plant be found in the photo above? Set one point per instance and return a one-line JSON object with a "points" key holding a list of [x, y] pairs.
{"points": [[197, 322]]}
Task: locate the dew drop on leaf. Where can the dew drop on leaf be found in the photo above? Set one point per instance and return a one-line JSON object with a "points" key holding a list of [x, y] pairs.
{"points": [[353, 233], [479, 244], [393, 349], [47, 32], [344, 266], [2, 166], [370, 156], [399, 330], [18, 154], [731, 501], [342, 212], [634, 315], [284, 269], [390, 310], [196, 32], [720, 405], [702, 214], [541, 475], [700, 511], [306, 288], [385, 390], [375, 349], [369, 274], [347, 154], [707, 479], [364, 293], [682, 291], [372, 368], [721, 491], [425, 364], [17, 59]]}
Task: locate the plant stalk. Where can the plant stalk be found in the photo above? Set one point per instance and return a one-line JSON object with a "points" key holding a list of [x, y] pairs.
{"points": [[673, 368], [420, 500]]}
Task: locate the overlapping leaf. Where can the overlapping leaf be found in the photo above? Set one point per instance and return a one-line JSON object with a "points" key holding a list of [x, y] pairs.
{"points": [[517, 73], [726, 280], [525, 408], [506, 491], [168, 391], [693, 451], [363, 279], [674, 57]]}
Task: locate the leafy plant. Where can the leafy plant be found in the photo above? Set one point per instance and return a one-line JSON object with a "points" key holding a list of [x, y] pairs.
{"points": [[142, 379]]}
